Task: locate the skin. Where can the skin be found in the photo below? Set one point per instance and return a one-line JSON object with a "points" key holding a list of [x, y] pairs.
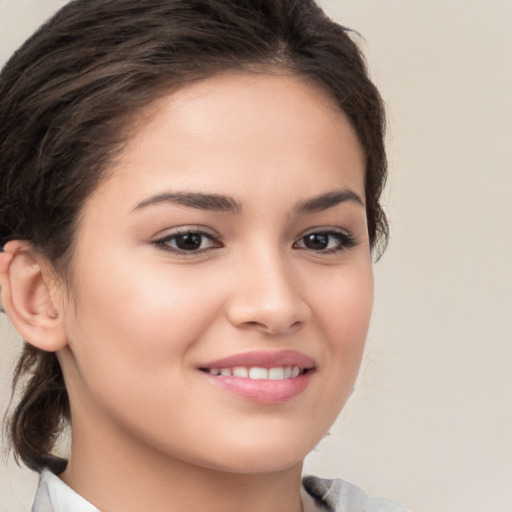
{"points": [[141, 317]]}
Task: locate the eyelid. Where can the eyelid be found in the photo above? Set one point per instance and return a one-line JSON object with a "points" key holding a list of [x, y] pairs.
{"points": [[162, 241], [185, 229], [347, 239]]}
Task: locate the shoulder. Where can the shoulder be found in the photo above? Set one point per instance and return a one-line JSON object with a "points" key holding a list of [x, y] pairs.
{"points": [[337, 495]]}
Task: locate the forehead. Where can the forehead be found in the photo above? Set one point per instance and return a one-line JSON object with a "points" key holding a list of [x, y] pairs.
{"points": [[268, 128]]}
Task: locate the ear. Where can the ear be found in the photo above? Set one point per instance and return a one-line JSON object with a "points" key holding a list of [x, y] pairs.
{"points": [[29, 296]]}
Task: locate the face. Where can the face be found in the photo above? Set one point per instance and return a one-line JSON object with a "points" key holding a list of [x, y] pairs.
{"points": [[222, 280]]}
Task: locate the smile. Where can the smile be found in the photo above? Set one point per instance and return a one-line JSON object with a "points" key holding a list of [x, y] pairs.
{"points": [[262, 377], [258, 373]]}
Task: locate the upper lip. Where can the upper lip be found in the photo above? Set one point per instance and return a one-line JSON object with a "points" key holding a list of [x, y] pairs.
{"points": [[263, 359]]}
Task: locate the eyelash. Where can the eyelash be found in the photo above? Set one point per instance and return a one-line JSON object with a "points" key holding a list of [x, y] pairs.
{"points": [[344, 241], [164, 242]]}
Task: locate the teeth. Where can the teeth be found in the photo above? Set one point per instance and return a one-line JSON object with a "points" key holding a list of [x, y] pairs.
{"points": [[276, 373], [240, 371], [257, 373]]}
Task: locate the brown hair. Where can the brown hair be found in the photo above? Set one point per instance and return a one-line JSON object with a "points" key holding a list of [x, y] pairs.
{"points": [[68, 93]]}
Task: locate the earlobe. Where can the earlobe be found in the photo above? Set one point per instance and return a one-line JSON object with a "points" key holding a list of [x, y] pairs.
{"points": [[27, 298]]}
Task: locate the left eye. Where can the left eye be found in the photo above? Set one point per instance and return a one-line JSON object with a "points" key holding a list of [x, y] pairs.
{"points": [[188, 242], [325, 241]]}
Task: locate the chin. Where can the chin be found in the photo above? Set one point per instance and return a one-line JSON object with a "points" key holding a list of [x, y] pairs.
{"points": [[262, 457], [259, 466]]}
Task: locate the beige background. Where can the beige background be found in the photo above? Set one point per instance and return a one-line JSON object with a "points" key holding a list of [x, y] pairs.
{"points": [[430, 424]]}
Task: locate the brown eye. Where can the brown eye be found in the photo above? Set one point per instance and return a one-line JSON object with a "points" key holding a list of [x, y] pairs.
{"points": [[188, 242], [326, 241], [316, 241]]}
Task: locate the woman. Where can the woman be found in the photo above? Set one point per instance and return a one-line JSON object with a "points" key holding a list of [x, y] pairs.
{"points": [[190, 208]]}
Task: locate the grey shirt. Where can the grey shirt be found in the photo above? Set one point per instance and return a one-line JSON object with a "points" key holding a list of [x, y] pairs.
{"points": [[318, 495]]}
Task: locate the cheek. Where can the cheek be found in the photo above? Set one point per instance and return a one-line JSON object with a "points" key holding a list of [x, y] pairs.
{"points": [[130, 345], [352, 309], [344, 312], [142, 320], [345, 304]]}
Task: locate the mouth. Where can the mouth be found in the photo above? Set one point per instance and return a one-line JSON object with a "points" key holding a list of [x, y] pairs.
{"points": [[259, 373], [262, 377]]}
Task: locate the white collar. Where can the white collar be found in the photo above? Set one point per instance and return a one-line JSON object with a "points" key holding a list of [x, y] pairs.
{"points": [[53, 495]]}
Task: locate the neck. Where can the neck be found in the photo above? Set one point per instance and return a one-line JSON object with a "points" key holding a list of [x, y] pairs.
{"points": [[121, 476]]}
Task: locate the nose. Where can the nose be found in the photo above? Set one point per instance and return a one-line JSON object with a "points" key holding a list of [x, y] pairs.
{"points": [[267, 296]]}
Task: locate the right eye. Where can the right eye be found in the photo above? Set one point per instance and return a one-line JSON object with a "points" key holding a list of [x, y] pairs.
{"points": [[188, 241]]}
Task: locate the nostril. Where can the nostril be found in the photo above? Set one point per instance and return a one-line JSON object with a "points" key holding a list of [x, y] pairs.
{"points": [[252, 324], [271, 328], [271, 315]]}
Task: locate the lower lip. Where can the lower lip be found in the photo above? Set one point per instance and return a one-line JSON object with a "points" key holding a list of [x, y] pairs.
{"points": [[263, 391]]}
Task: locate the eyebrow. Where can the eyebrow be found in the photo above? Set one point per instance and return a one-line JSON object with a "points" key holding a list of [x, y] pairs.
{"points": [[211, 202], [221, 203], [328, 200]]}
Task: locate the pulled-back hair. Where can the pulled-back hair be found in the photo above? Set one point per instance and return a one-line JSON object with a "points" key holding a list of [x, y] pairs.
{"points": [[69, 94]]}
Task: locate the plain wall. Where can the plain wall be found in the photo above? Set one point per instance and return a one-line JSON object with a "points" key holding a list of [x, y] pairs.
{"points": [[430, 422]]}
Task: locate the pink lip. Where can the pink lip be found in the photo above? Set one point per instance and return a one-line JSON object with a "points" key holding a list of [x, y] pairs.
{"points": [[264, 360], [263, 391]]}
